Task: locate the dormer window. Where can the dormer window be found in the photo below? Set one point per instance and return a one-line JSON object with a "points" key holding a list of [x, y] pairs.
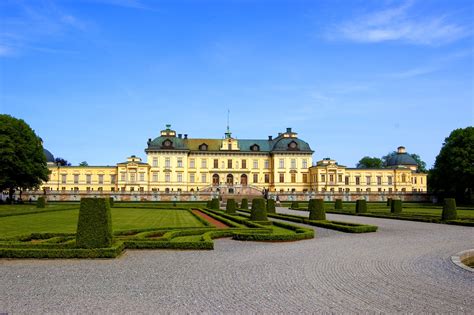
{"points": [[203, 147], [293, 145], [255, 147], [167, 143]]}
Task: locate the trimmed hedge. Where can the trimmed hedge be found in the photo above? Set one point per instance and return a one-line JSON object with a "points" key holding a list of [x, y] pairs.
{"points": [[361, 206], [244, 204], [230, 206], [271, 206], [396, 206], [111, 201], [449, 209], [41, 202], [215, 204], [389, 202], [338, 204], [259, 211], [294, 205], [94, 226], [316, 209]]}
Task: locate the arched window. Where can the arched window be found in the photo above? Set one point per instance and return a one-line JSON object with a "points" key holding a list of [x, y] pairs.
{"points": [[203, 147], [293, 145], [167, 143], [255, 147]]}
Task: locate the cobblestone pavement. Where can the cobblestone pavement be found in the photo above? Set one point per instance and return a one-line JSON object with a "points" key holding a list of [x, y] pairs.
{"points": [[404, 267]]}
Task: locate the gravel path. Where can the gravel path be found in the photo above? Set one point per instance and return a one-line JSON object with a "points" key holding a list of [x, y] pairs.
{"points": [[404, 267]]}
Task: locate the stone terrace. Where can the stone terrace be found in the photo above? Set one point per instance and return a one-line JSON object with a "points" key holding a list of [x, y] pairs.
{"points": [[404, 267]]}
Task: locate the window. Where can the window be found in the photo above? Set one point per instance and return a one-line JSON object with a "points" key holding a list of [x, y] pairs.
{"points": [[63, 179], [99, 189], [191, 178], [133, 177], [244, 163], [191, 163], [281, 163], [112, 188], [122, 177], [203, 163], [292, 145], [331, 178], [266, 164], [389, 180], [293, 178], [229, 163], [216, 163], [167, 163], [255, 164], [180, 177], [203, 178], [180, 162], [293, 163], [155, 176], [255, 178], [142, 177], [305, 163], [421, 180], [390, 189], [339, 178], [305, 178], [255, 147], [112, 178], [323, 177], [167, 178], [368, 179], [404, 178], [379, 180], [267, 178], [203, 147], [76, 179], [167, 143], [101, 179], [155, 162], [229, 146], [282, 177], [88, 179], [357, 180], [347, 180]]}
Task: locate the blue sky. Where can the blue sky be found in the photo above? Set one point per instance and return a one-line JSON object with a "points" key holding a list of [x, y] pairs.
{"points": [[97, 78]]}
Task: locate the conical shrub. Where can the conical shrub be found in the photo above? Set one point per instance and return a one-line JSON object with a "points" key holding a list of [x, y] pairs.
{"points": [[94, 226], [389, 202], [41, 202], [396, 206], [449, 209], [316, 209], [271, 206], [361, 206], [338, 204], [245, 204], [215, 204], [294, 205], [259, 211], [230, 206]]}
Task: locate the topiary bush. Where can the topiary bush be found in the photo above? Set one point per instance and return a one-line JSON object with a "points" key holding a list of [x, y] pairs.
{"points": [[396, 206], [338, 204], [316, 209], [294, 205], [41, 202], [271, 206], [230, 206], [449, 209], [111, 201], [389, 202], [215, 204], [94, 226], [259, 211], [361, 206], [208, 204], [245, 204]]}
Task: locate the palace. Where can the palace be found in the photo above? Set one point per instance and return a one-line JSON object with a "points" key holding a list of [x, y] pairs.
{"points": [[281, 164]]}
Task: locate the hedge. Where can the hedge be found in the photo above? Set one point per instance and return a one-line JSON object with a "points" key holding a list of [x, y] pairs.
{"points": [[259, 211], [449, 209], [316, 209], [294, 205], [361, 206], [41, 202], [244, 204], [396, 206], [271, 206], [389, 202], [230, 206], [338, 204], [94, 226], [111, 201], [215, 204]]}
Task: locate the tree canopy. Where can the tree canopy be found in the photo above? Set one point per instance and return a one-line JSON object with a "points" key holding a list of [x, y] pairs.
{"points": [[421, 164], [370, 162], [61, 161], [22, 159], [453, 172], [83, 163]]}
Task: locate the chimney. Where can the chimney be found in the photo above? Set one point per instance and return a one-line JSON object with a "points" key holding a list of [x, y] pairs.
{"points": [[279, 134], [180, 135], [270, 138], [185, 136], [288, 130]]}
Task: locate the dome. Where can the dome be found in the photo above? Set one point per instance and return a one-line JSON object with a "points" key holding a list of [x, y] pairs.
{"points": [[291, 144], [49, 156], [401, 158]]}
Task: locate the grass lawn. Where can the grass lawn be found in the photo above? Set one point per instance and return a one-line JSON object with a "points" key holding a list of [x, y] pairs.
{"points": [[66, 221]]}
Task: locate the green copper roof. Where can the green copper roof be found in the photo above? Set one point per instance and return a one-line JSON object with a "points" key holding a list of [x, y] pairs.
{"points": [[401, 159]]}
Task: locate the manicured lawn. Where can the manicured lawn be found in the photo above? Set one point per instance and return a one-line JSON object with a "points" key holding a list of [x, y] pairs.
{"points": [[66, 221]]}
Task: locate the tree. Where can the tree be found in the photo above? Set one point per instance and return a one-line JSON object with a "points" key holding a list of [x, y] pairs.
{"points": [[22, 160], [61, 161], [83, 163], [370, 162], [420, 163], [453, 172]]}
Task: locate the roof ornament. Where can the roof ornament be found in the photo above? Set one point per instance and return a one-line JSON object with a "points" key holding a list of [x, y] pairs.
{"points": [[228, 134]]}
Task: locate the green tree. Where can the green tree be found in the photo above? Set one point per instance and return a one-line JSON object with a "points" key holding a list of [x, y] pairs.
{"points": [[421, 164], [22, 160], [370, 162], [83, 163], [453, 172], [61, 161]]}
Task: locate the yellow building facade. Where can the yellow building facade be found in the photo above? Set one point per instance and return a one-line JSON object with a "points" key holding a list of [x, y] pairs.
{"points": [[176, 163]]}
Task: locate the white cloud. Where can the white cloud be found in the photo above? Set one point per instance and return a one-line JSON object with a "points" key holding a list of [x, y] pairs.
{"points": [[399, 24]]}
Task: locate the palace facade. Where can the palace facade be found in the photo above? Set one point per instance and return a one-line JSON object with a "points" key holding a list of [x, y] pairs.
{"points": [[281, 164]]}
